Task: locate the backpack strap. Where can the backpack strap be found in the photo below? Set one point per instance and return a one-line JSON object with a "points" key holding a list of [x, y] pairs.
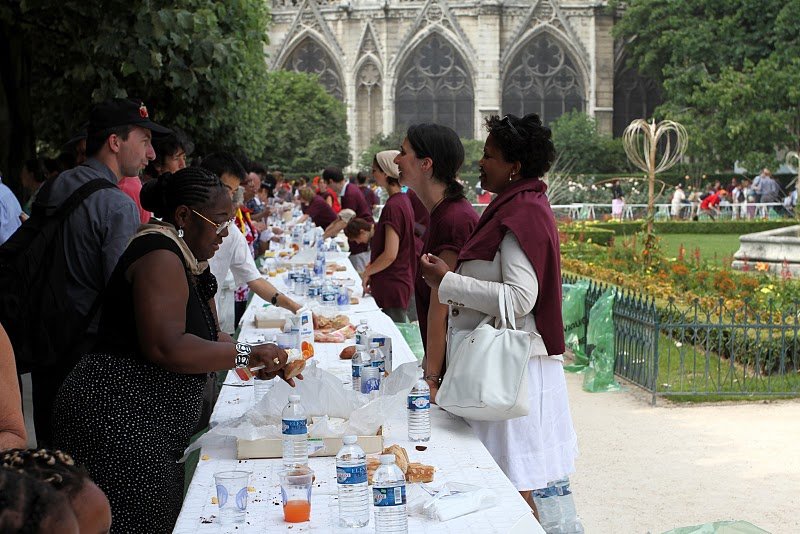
{"points": [[74, 200]]}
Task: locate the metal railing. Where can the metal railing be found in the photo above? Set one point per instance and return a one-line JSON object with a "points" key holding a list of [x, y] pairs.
{"points": [[696, 353]]}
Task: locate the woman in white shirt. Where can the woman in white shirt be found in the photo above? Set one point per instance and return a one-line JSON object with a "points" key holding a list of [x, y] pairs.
{"points": [[515, 249]]}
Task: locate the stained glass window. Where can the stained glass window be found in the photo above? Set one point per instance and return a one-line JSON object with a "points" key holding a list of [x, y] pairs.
{"points": [[309, 56], [543, 79], [434, 85]]}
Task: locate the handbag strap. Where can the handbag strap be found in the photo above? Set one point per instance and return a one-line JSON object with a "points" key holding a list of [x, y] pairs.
{"points": [[506, 315]]}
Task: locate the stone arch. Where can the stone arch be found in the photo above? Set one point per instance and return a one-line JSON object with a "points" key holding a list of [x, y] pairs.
{"points": [[309, 54], [544, 75], [369, 101], [434, 83]]}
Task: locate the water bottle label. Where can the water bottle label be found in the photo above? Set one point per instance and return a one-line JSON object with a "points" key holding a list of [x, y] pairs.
{"points": [[356, 474], [394, 496], [419, 402], [370, 384], [313, 292], [328, 297], [380, 364], [356, 371], [292, 427], [543, 493]]}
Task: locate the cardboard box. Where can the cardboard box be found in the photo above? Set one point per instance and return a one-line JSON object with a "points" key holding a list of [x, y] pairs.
{"points": [[273, 448]]}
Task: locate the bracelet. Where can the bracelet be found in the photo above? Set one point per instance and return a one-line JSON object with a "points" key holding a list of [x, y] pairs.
{"points": [[243, 354], [433, 378]]}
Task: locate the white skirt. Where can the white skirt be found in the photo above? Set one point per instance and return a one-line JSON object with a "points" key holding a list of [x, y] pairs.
{"points": [[542, 446]]}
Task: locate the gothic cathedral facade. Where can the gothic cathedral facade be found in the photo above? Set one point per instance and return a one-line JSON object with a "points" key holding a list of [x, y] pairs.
{"points": [[398, 62]]}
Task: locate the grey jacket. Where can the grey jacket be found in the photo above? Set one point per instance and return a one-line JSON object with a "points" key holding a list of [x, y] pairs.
{"points": [[95, 235]]}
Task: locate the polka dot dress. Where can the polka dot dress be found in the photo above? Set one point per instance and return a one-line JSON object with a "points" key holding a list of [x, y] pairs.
{"points": [[128, 421]]}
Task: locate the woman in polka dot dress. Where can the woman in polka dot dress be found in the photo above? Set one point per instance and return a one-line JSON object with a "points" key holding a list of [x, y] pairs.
{"points": [[128, 409]]}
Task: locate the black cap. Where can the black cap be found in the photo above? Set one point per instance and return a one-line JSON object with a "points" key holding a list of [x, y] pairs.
{"points": [[121, 112]]}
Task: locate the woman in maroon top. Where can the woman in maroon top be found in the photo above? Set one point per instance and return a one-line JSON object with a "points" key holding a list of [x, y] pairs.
{"points": [[315, 208], [429, 159], [390, 273]]}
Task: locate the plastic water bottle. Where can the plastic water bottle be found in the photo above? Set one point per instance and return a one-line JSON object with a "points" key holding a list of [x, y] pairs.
{"points": [[376, 357], [389, 497], [329, 293], [556, 507], [295, 433], [357, 363], [362, 332], [370, 375], [319, 263], [343, 298], [351, 479], [419, 412]]}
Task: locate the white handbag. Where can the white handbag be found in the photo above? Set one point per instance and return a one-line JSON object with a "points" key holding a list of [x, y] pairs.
{"points": [[487, 370]]}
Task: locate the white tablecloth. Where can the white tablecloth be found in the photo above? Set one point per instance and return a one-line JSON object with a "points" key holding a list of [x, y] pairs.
{"points": [[453, 449]]}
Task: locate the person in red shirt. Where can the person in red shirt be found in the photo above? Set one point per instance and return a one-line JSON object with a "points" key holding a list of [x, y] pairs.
{"points": [[390, 273], [429, 160], [710, 204], [352, 199]]}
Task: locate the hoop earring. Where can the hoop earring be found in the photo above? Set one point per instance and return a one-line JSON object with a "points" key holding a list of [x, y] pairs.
{"points": [[511, 176], [180, 232]]}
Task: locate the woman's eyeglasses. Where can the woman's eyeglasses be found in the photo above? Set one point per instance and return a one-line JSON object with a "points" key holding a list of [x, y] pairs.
{"points": [[221, 227], [507, 121]]}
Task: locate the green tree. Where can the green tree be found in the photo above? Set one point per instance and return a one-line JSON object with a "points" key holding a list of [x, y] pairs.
{"points": [[307, 126], [380, 143], [583, 149], [198, 64], [728, 69]]}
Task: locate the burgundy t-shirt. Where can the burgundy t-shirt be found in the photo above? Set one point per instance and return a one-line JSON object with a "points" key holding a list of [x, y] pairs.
{"points": [[392, 287], [320, 212], [369, 195], [354, 200], [451, 224], [422, 219]]}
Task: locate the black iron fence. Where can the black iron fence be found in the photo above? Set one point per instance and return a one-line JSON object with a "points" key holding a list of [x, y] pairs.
{"points": [[692, 352]]}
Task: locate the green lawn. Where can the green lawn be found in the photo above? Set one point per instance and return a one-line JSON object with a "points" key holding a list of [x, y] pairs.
{"points": [[713, 247]]}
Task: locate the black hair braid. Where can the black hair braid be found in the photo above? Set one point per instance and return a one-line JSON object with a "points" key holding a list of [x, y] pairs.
{"points": [[26, 502], [56, 468], [192, 186]]}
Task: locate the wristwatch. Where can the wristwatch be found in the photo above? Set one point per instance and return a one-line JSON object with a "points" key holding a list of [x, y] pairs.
{"points": [[274, 299], [243, 354]]}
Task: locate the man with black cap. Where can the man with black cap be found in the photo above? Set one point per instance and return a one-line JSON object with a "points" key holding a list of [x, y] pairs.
{"points": [[118, 144]]}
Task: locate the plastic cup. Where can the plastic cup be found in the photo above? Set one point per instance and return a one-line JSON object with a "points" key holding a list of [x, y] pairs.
{"points": [[296, 494], [232, 495]]}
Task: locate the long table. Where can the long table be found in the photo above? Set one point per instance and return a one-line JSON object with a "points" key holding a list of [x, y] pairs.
{"points": [[453, 449]]}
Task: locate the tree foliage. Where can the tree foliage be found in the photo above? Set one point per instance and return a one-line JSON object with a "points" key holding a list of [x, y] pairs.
{"points": [[473, 151], [307, 126], [729, 72], [199, 65], [583, 149]]}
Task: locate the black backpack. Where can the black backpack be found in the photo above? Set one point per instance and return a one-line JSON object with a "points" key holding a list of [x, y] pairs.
{"points": [[35, 311]]}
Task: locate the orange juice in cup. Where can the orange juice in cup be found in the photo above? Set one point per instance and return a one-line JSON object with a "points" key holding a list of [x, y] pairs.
{"points": [[297, 511], [296, 483]]}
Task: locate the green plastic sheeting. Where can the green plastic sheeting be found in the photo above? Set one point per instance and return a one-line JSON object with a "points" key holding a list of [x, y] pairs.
{"points": [[572, 313], [599, 376], [410, 332], [720, 527]]}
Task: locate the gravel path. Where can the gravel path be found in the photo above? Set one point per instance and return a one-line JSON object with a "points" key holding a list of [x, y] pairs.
{"points": [[646, 469]]}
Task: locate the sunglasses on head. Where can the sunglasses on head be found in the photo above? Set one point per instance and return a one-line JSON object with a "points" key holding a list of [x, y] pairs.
{"points": [[507, 121], [219, 228]]}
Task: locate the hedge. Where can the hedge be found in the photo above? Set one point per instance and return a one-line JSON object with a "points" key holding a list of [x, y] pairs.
{"points": [[598, 236], [694, 227]]}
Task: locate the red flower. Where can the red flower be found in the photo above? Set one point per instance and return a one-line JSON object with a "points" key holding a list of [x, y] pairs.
{"points": [[143, 111]]}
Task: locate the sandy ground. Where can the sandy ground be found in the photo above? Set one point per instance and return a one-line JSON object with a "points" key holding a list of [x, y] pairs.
{"points": [[646, 469]]}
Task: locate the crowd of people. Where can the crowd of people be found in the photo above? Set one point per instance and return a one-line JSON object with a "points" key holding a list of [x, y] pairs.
{"points": [[738, 197], [155, 242]]}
